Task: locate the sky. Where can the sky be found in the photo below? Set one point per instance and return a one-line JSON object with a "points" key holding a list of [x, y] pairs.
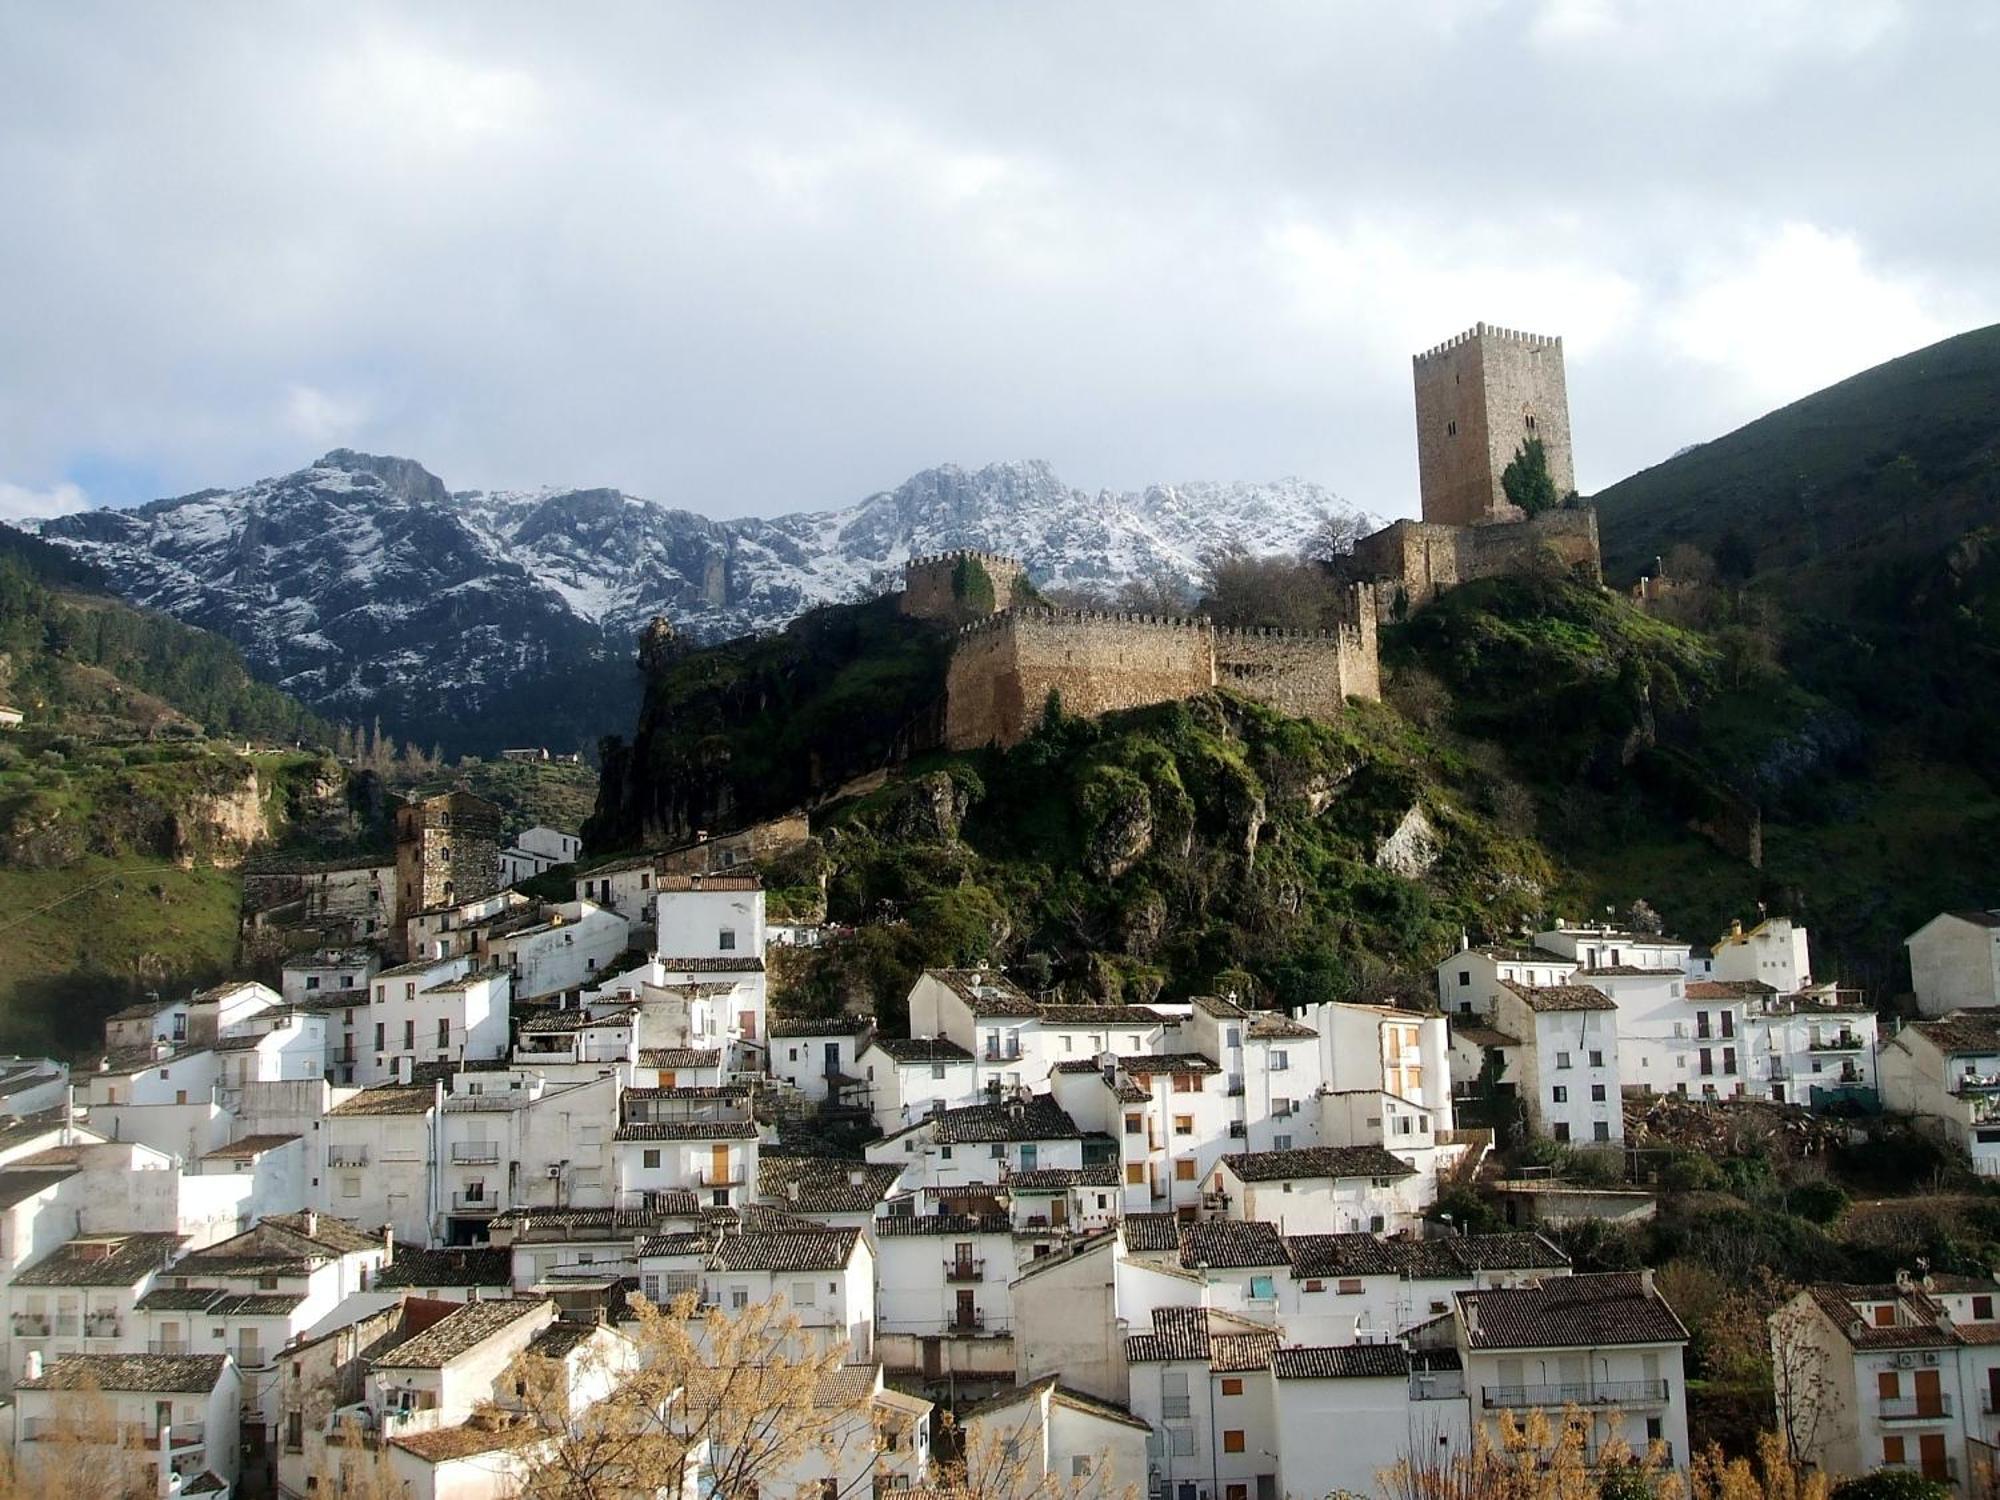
{"points": [[754, 259]]}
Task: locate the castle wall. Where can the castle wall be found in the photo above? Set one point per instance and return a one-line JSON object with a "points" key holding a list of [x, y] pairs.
{"points": [[932, 589], [1415, 561], [1309, 676], [1479, 397]]}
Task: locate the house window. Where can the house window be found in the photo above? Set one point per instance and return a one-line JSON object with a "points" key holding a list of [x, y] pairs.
{"points": [[1561, 1131], [1233, 1037], [1183, 1124], [650, 1160], [1281, 1143], [1982, 1308], [1135, 1174], [1597, 1093], [1280, 1061], [1597, 1059], [1184, 1169], [1559, 1094], [444, 1033], [1232, 1440], [1263, 1288], [725, 940], [1348, 1286], [1232, 1385], [1135, 1125], [1562, 1059], [1464, 978], [1601, 1130]]}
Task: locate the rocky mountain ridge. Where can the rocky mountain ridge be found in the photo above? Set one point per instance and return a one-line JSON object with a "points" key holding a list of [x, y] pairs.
{"points": [[365, 586]]}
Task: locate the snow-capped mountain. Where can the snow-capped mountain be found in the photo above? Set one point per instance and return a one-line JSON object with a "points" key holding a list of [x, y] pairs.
{"points": [[364, 586]]}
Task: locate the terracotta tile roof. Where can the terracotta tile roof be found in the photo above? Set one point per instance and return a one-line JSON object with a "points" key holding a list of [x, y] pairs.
{"points": [[1061, 1179], [1270, 1027], [207, 1482], [611, 1223], [1222, 1008], [987, 992], [458, 1266], [1728, 989], [1555, 997], [1922, 1322], [1977, 918], [1178, 1333], [1961, 1031], [19, 1184], [1059, 1395], [1154, 1232], [688, 1130], [1232, 1244], [249, 1146], [178, 1374], [824, 1185], [102, 1260], [732, 964], [1037, 1118], [689, 1091], [1317, 1161], [757, 1250], [1628, 971], [703, 882], [560, 1338], [258, 1305], [1100, 1015], [1484, 1036], [464, 1327], [1144, 1065], [680, 1057], [818, 1026], [1570, 1312], [180, 1299], [906, 1226], [920, 1049], [470, 1439], [1343, 1362], [389, 1099], [1232, 1352]]}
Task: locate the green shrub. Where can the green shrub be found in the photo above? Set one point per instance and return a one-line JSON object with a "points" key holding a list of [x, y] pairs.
{"points": [[1891, 1484], [1691, 1172], [1821, 1202]]}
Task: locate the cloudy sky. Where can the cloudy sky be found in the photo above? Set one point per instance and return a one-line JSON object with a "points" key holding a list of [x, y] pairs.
{"points": [[750, 259]]}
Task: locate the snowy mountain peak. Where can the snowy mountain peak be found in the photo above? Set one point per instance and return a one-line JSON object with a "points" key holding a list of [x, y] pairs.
{"points": [[364, 585]]}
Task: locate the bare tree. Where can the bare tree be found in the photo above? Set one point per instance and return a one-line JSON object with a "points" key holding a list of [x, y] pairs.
{"points": [[996, 1462], [355, 1465], [1335, 535], [79, 1452], [1776, 1475], [1801, 1378], [1534, 1459]]}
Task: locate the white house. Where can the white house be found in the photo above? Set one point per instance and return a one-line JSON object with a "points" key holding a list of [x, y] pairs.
{"points": [[710, 916], [944, 1275], [1903, 1375], [625, 886], [1318, 1190], [825, 1276], [1811, 1047], [1569, 1059], [1606, 1344], [436, 1011], [1385, 1401], [698, 1139], [1955, 962], [1946, 1073], [556, 950], [1469, 980], [514, 1139], [1405, 1054], [380, 1149], [1045, 1436], [906, 1078], [819, 1057], [1775, 952], [170, 1422], [1200, 1382], [79, 1298], [980, 1145], [537, 849]]}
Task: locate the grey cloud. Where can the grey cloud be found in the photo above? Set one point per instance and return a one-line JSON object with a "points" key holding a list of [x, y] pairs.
{"points": [[754, 259]]}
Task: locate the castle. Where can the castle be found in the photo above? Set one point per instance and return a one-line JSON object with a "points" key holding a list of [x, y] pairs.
{"points": [[1480, 397], [1010, 656]]}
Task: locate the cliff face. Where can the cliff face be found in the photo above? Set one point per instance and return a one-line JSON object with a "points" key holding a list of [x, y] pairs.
{"points": [[759, 726]]}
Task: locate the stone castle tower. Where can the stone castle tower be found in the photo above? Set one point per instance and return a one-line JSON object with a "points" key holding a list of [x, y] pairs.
{"points": [[1479, 397], [960, 586], [447, 850]]}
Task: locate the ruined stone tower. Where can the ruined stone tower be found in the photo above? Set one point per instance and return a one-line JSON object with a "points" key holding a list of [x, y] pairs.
{"points": [[960, 586], [1479, 397]]}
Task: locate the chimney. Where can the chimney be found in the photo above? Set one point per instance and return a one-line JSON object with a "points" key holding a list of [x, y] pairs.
{"points": [[312, 1224], [31, 1365], [1646, 1279]]}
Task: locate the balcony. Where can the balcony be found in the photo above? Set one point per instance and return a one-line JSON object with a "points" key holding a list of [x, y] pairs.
{"points": [[102, 1325], [31, 1325], [1915, 1408], [1602, 1393], [1845, 1041], [965, 1270], [474, 1203], [731, 1177], [1001, 1054], [347, 1156], [475, 1153], [967, 1322]]}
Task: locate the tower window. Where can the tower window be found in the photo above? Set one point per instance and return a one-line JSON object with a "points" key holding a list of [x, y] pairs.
{"points": [[1531, 423], [1451, 429]]}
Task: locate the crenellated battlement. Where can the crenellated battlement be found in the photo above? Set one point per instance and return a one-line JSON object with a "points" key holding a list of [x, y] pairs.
{"points": [[1005, 667], [953, 555], [963, 583], [1493, 333]]}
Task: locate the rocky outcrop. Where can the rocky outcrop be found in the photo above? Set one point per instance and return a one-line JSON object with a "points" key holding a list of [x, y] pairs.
{"points": [[1412, 847]]}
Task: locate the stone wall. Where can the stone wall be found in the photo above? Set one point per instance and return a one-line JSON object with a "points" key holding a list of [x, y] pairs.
{"points": [[936, 587], [1479, 397], [1415, 561], [1003, 670]]}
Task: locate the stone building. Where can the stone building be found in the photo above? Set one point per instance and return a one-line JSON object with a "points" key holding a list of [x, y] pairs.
{"points": [[961, 585], [1480, 396], [447, 851]]}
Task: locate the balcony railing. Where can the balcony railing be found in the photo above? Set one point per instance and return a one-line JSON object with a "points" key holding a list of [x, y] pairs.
{"points": [[347, 1156], [475, 1203], [968, 1322], [1602, 1393], [105, 1325], [1001, 1054], [475, 1153], [964, 1270], [1914, 1408], [31, 1325], [1844, 1042], [729, 1178]]}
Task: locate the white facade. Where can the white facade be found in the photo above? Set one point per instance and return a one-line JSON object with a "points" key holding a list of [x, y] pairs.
{"points": [[1946, 1073], [569, 947], [944, 1275], [1569, 1060], [1955, 962], [906, 1078], [710, 916]]}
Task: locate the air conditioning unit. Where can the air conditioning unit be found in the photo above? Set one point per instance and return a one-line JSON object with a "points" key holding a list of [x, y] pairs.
{"points": [[1930, 1356], [555, 1174], [1904, 1361]]}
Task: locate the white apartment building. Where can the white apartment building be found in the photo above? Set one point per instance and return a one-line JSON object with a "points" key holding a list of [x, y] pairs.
{"points": [[1904, 1375], [1775, 952], [1319, 1190], [1810, 1047], [1569, 1059], [944, 1275], [626, 887], [326, 972], [819, 1057], [1063, 1438], [516, 1140], [381, 1150], [1470, 980], [1273, 1070], [557, 950], [435, 1011], [1405, 1054], [1955, 962], [537, 849], [175, 1419], [696, 1139], [980, 1145], [1946, 1072], [906, 1078]]}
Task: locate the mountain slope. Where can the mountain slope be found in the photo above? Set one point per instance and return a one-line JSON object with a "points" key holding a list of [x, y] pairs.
{"points": [[1899, 460], [363, 586]]}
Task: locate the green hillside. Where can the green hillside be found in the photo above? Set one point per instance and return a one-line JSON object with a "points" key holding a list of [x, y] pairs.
{"points": [[1896, 462]]}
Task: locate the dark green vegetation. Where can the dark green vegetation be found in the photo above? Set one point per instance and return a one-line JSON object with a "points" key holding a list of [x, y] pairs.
{"points": [[527, 792], [1526, 481], [767, 724], [1210, 844]]}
